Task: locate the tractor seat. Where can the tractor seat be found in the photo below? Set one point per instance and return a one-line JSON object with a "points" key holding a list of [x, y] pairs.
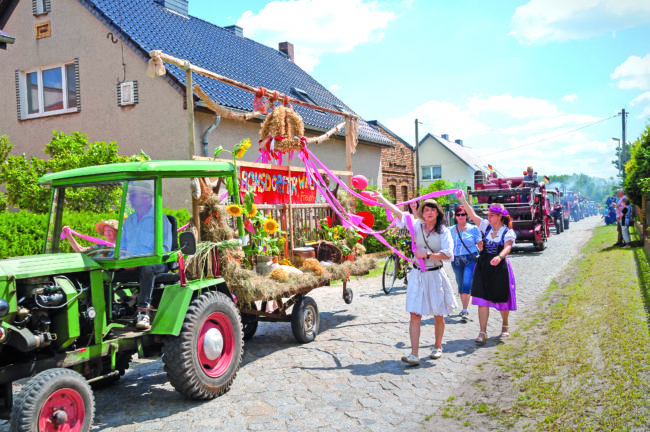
{"points": [[171, 276]]}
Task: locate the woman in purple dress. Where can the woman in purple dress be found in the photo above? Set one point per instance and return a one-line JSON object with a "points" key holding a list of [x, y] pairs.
{"points": [[493, 285]]}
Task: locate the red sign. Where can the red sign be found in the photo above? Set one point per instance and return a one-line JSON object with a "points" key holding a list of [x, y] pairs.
{"points": [[272, 186]]}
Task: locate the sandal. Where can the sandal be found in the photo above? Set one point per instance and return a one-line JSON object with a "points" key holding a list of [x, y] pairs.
{"points": [[481, 339], [504, 331]]}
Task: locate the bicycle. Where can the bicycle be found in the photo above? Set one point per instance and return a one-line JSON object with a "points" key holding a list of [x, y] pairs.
{"points": [[397, 268]]}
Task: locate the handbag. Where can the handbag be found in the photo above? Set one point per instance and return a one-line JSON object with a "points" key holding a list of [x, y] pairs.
{"points": [[474, 257]]}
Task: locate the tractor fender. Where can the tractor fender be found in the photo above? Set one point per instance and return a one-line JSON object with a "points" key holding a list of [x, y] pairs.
{"points": [[175, 302]]}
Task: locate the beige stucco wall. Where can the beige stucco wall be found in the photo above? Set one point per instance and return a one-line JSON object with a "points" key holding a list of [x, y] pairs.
{"points": [[453, 169], [157, 124]]}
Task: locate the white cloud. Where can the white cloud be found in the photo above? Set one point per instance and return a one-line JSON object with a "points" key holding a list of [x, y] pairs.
{"points": [[335, 87], [317, 27], [633, 73], [642, 101], [542, 21], [571, 98], [534, 133], [515, 106]]}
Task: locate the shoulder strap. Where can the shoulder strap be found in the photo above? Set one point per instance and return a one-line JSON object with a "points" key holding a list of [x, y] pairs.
{"points": [[460, 237], [504, 234]]}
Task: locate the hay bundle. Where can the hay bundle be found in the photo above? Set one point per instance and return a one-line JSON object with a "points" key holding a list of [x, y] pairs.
{"points": [[285, 122], [214, 227], [312, 265]]}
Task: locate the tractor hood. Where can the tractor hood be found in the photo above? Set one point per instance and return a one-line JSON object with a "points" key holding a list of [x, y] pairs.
{"points": [[43, 265]]}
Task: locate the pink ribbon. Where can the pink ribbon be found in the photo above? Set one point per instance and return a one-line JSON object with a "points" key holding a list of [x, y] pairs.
{"points": [[66, 231]]}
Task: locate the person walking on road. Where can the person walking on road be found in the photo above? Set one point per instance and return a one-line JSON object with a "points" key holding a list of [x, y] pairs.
{"points": [[493, 285], [467, 238], [429, 291]]}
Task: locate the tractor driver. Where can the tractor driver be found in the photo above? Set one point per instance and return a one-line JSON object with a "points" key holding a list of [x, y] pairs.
{"points": [[138, 238]]}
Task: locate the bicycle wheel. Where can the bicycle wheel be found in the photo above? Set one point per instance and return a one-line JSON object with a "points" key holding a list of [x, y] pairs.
{"points": [[390, 274]]}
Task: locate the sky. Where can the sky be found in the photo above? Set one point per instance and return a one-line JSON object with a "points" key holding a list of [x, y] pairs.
{"points": [[521, 82]]}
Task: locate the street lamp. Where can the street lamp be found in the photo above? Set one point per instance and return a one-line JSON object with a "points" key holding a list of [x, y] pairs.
{"points": [[618, 146]]}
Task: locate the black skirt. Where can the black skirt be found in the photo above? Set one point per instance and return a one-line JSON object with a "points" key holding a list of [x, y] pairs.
{"points": [[491, 283]]}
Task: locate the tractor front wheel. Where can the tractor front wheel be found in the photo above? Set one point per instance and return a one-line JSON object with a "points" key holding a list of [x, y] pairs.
{"points": [[54, 400]]}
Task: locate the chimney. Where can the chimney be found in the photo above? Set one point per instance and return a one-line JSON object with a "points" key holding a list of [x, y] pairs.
{"points": [[445, 137], [286, 48], [178, 6], [459, 142], [238, 31]]}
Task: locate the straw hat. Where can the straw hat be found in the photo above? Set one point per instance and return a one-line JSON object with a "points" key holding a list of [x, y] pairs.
{"points": [[431, 203], [99, 226]]}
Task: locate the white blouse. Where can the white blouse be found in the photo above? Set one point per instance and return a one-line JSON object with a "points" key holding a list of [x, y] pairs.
{"points": [[445, 240], [510, 235]]}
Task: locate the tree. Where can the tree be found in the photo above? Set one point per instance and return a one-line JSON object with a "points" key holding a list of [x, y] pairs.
{"points": [[638, 167], [20, 174]]}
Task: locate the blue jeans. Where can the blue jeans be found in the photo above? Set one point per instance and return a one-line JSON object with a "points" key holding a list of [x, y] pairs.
{"points": [[463, 266]]}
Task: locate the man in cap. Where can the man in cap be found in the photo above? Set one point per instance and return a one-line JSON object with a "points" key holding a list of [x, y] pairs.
{"points": [[138, 238]]}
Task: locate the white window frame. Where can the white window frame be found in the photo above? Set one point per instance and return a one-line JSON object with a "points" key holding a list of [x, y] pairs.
{"points": [[40, 4], [127, 93], [430, 169], [24, 92]]}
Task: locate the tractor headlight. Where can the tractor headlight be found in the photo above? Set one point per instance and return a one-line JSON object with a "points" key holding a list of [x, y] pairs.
{"points": [[4, 308]]}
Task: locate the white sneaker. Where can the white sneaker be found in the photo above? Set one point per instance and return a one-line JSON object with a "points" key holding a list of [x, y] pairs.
{"points": [[436, 353], [411, 359], [143, 322]]}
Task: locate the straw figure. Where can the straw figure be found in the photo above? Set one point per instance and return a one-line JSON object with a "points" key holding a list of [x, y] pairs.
{"points": [[286, 123]]}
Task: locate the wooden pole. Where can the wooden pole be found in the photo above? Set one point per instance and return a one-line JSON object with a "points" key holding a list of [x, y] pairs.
{"points": [[291, 238], [189, 101]]}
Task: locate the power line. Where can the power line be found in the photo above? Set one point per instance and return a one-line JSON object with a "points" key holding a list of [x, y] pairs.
{"points": [[558, 135]]}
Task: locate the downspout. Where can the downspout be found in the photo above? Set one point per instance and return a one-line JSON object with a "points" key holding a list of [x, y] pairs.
{"points": [[212, 127]]}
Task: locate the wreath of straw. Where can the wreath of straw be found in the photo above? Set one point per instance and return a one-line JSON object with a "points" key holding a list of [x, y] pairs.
{"points": [[284, 122]]}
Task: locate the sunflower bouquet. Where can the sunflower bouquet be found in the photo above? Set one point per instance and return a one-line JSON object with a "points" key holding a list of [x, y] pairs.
{"points": [[267, 238]]}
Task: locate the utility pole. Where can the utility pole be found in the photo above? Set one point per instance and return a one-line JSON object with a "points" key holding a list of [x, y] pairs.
{"points": [[417, 160], [623, 141]]}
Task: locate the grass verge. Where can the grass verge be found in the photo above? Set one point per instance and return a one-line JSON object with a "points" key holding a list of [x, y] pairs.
{"points": [[583, 362]]}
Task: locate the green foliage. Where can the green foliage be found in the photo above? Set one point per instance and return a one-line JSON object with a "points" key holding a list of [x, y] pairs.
{"points": [[638, 167], [20, 174], [21, 233], [441, 184]]}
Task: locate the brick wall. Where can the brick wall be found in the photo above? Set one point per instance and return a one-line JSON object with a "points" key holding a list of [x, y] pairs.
{"points": [[397, 167]]}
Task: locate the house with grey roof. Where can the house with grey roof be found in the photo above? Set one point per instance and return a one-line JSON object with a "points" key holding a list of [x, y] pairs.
{"points": [[81, 65], [441, 158]]}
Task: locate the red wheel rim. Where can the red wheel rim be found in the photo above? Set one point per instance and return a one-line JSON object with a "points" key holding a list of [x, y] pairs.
{"points": [[211, 365], [68, 406]]}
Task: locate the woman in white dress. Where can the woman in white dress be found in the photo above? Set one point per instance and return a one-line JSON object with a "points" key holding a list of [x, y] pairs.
{"points": [[429, 291]]}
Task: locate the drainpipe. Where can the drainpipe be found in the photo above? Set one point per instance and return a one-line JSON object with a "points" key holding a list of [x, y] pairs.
{"points": [[212, 127]]}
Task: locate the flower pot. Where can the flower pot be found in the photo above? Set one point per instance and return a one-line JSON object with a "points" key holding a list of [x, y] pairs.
{"points": [[263, 264]]}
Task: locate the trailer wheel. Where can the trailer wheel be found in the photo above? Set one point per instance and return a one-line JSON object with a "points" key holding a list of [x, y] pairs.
{"points": [[54, 400], [203, 360], [348, 296], [305, 320], [249, 323], [566, 223]]}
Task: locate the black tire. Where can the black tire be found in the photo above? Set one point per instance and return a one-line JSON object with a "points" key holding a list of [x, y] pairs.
{"points": [[249, 323], [60, 391], [558, 227], [389, 274], [540, 246], [305, 320], [566, 223], [122, 363], [203, 360]]}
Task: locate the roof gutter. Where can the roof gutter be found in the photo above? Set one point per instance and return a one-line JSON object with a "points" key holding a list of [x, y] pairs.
{"points": [[212, 127]]}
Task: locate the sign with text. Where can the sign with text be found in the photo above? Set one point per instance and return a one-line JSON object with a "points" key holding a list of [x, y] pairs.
{"points": [[272, 186]]}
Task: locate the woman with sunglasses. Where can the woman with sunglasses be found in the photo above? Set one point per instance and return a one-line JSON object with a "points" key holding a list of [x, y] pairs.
{"points": [[467, 240], [493, 285]]}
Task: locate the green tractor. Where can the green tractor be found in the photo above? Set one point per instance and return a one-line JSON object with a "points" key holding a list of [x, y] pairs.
{"points": [[67, 324]]}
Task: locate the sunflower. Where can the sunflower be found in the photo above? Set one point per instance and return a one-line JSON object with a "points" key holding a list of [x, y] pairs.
{"points": [[270, 226], [253, 211], [242, 147], [234, 210]]}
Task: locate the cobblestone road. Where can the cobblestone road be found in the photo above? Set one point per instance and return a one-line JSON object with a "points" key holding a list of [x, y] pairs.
{"points": [[349, 378]]}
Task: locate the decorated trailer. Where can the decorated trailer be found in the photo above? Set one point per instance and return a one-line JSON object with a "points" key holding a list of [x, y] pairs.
{"points": [[526, 202]]}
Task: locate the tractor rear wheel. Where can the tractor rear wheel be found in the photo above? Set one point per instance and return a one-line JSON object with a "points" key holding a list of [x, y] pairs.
{"points": [[203, 360]]}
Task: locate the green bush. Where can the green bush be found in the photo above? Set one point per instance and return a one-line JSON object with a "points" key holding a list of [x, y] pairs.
{"points": [[23, 233]]}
